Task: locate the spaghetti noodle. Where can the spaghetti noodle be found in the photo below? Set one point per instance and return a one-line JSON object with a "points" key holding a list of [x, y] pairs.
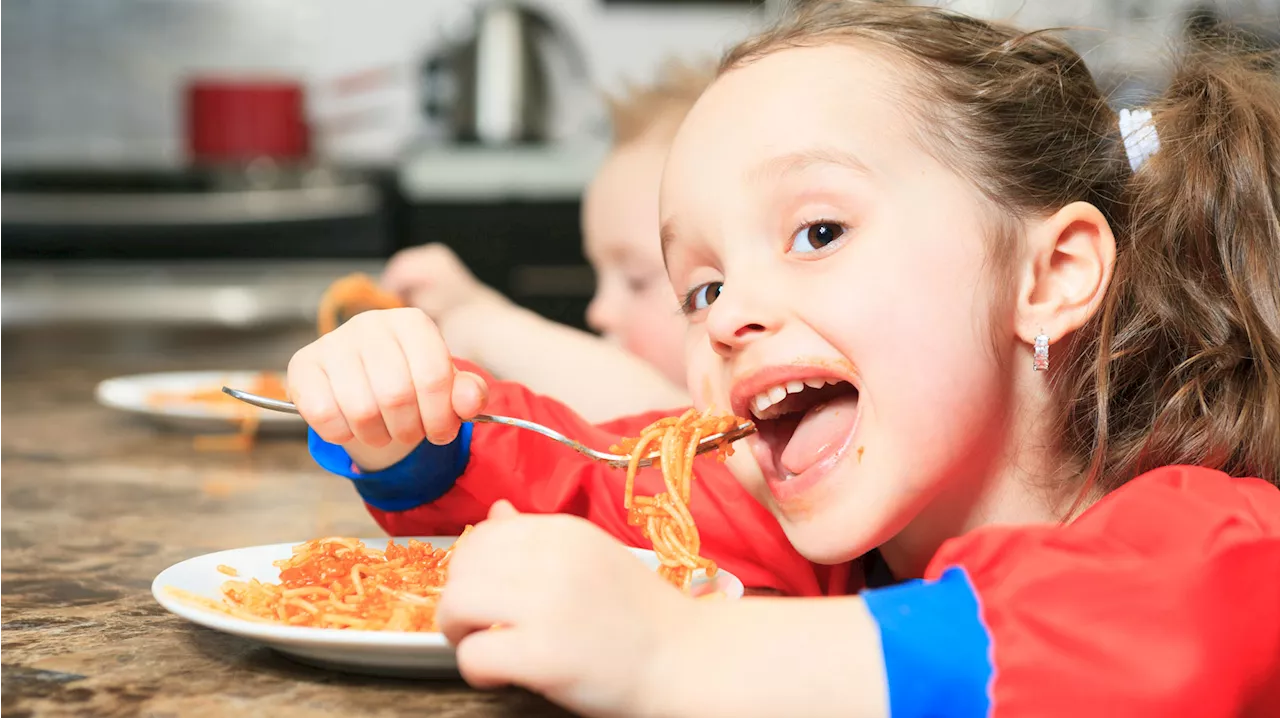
{"points": [[267, 384], [665, 519], [349, 296], [341, 583]]}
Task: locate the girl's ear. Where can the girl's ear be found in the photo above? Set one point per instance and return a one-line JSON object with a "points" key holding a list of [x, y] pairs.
{"points": [[1070, 258]]}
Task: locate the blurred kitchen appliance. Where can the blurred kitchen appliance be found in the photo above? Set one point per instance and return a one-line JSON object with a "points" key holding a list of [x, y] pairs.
{"points": [[495, 84], [231, 121]]}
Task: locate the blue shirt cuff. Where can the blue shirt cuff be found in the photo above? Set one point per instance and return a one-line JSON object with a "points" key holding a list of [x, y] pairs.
{"points": [[426, 474], [937, 651]]}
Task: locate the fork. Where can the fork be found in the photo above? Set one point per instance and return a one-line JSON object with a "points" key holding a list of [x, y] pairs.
{"points": [[707, 443]]}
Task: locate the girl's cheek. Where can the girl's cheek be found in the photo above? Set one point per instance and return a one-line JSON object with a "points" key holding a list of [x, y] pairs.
{"points": [[705, 385]]}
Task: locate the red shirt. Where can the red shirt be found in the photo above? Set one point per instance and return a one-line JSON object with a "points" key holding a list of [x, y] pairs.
{"points": [[1161, 599]]}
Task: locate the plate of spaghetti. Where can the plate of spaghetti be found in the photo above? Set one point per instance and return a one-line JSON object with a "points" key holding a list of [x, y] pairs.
{"points": [[194, 401], [368, 605], [348, 604]]}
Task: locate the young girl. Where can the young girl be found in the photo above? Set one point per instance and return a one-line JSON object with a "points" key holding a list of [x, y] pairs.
{"points": [[1044, 337], [640, 353]]}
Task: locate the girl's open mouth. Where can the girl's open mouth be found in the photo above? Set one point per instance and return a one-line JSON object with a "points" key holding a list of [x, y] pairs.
{"points": [[804, 424]]}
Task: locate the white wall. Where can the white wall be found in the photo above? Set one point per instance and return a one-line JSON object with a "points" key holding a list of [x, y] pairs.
{"points": [[100, 82]]}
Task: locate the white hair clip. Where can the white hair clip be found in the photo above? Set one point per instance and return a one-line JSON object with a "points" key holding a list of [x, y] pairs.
{"points": [[1139, 134]]}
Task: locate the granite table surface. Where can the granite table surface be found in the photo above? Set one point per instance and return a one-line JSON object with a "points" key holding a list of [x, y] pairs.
{"points": [[96, 503]]}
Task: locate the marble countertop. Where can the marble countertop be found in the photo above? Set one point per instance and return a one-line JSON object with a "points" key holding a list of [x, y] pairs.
{"points": [[95, 504]]}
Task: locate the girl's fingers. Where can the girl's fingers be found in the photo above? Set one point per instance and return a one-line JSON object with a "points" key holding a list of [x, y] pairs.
{"points": [[309, 387], [502, 509], [387, 371], [470, 394], [495, 657], [354, 395], [485, 571], [431, 368], [386, 375]]}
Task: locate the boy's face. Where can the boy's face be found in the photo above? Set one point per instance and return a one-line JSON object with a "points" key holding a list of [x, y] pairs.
{"points": [[634, 305]]}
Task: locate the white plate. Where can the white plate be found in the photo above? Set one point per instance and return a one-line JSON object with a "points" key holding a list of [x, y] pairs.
{"points": [[134, 394], [397, 653]]}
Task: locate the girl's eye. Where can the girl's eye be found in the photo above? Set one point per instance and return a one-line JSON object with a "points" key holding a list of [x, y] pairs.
{"points": [[702, 297], [813, 237]]}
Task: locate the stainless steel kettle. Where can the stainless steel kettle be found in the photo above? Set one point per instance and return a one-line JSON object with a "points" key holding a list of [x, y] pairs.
{"points": [[494, 85]]}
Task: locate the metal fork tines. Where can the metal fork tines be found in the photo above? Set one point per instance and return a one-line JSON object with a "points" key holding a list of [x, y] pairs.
{"points": [[707, 443]]}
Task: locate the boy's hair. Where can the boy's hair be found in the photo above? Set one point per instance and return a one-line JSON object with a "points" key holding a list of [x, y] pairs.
{"points": [[1181, 364], [643, 111]]}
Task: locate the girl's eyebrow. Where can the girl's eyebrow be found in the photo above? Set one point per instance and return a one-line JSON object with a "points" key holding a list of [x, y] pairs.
{"points": [[793, 162], [780, 166]]}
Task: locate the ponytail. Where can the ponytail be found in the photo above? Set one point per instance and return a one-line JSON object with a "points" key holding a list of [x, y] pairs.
{"points": [[1182, 363]]}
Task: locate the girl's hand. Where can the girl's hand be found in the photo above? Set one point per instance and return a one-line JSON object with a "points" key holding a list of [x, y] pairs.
{"points": [[381, 383], [580, 620]]}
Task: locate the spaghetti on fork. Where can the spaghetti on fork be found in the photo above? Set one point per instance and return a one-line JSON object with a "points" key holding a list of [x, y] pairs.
{"points": [[665, 518]]}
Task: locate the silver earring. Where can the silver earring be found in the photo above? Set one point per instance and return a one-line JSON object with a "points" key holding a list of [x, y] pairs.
{"points": [[1041, 360]]}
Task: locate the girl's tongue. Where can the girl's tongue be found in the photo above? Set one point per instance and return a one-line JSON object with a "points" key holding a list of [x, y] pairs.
{"points": [[807, 427], [820, 432]]}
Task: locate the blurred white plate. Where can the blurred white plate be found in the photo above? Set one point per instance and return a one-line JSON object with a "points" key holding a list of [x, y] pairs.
{"points": [[137, 394], [397, 653]]}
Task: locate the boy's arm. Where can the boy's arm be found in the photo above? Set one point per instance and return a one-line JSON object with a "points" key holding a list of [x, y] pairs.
{"points": [[557, 360]]}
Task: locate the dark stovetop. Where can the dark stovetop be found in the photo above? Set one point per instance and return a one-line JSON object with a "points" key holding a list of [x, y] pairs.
{"points": [[166, 215], [529, 249]]}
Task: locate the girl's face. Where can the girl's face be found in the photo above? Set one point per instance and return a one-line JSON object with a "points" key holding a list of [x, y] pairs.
{"points": [[835, 276], [633, 304]]}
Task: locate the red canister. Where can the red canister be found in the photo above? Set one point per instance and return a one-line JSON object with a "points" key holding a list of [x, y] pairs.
{"points": [[240, 120]]}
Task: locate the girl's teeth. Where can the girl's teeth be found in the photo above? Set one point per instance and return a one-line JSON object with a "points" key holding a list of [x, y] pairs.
{"points": [[775, 394], [762, 402]]}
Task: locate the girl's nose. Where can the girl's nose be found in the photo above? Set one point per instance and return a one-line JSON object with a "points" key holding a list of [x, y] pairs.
{"points": [[733, 321]]}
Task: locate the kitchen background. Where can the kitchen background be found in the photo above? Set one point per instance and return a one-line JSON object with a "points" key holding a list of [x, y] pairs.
{"points": [[131, 193]]}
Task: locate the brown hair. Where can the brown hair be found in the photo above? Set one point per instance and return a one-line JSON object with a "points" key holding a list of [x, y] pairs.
{"points": [[642, 111], [1181, 365]]}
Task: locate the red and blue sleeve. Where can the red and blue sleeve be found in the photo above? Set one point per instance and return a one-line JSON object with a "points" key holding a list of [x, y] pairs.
{"points": [[439, 490], [1161, 599]]}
